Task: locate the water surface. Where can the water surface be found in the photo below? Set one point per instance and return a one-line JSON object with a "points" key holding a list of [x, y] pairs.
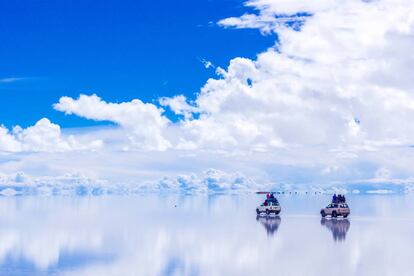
{"points": [[204, 235]]}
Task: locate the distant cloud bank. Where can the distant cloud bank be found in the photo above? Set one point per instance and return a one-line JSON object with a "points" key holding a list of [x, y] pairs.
{"points": [[209, 182]]}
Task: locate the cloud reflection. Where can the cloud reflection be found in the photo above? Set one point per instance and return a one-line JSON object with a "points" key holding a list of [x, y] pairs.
{"points": [[196, 235]]}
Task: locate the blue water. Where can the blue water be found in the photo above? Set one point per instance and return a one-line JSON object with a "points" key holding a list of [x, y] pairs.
{"points": [[201, 235]]}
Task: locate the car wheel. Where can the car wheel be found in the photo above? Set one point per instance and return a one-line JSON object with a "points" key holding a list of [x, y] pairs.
{"points": [[267, 212], [257, 211], [345, 216], [277, 212], [323, 214], [334, 215]]}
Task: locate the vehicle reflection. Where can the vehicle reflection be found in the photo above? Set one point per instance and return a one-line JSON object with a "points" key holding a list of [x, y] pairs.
{"points": [[338, 227], [271, 223]]}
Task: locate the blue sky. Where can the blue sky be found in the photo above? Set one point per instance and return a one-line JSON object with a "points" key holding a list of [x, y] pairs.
{"points": [[118, 49]]}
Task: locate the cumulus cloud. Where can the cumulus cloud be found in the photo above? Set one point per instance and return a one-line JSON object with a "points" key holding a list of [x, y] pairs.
{"points": [[208, 182], [179, 105], [8, 141], [341, 80], [143, 121], [43, 136]]}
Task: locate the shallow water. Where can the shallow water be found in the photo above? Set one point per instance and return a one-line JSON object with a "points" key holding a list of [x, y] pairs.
{"points": [[200, 235]]}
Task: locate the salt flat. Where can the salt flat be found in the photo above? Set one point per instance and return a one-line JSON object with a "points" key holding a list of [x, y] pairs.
{"points": [[204, 235]]}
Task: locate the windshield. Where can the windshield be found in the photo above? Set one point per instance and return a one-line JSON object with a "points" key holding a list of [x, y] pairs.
{"points": [[272, 201]]}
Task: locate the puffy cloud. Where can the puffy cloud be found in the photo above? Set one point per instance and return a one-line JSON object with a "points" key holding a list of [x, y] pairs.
{"points": [[208, 182], [341, 81], [43, 136], [7, 141], [179, 105], [336, 85], [143, 121]]}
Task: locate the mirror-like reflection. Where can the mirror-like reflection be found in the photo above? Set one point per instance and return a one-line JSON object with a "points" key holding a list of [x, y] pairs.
{"points": [[338, 227], [197, 235], [270, 223]]}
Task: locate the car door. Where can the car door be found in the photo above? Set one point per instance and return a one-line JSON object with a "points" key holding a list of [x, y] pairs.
{"points": [[329, 209], [345, 209], [342, 209], [335, 207]]}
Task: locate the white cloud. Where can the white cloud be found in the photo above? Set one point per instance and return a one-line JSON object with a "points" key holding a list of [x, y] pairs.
{"points": [[208, 182], [179, 105], [207, 64], [7, 141], [326, 84], [340, 84], [342, 65], [266, 23], [143, 122], [43, 136]]}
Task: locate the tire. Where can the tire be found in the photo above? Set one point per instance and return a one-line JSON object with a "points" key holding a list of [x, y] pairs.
{"points": [[277, 212], [334, 214], [345, 216], [257, 211], [267, 212], [323, 214]]}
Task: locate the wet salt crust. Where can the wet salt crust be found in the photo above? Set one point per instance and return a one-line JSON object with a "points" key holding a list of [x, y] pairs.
{"points": [[204, 235]]}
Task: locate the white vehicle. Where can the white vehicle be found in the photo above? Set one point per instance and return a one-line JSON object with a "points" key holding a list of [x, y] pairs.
{"points": [[270, 206], [336, 209]]}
